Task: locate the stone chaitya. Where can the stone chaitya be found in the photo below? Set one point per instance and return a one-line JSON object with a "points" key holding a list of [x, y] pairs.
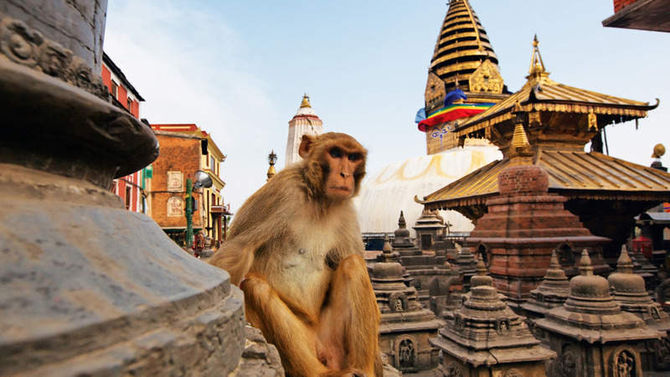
{"points": [[629, 291], [429, 229], [485, 337], [552, 292], [425, 268], [590, 333], [405, 325], [89, 288]]}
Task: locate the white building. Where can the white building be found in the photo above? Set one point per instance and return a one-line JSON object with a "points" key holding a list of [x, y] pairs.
{"points": [[304, 122]]}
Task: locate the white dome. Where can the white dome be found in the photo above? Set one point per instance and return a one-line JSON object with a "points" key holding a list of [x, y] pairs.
{"points": [[384, 194]]}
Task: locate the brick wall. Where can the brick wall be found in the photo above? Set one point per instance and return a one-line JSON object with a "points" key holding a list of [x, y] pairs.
{"points": [[177, 154], [619, 4]]}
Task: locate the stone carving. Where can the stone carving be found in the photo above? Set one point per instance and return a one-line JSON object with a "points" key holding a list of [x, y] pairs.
{"points": [[486, 78], [175, 181], [513, 373], [28, 47], [175, 207], [398, 302], [406, 354], [568, 363], [453, 370], [624, 365]]}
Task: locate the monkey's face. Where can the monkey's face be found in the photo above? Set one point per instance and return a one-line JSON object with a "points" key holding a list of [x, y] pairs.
{"points": [[342, 164]]}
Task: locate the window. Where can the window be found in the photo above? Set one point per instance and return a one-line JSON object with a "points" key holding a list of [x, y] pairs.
{"points": [[115, 89], [130, 104], [212, 163], [128, 196]]}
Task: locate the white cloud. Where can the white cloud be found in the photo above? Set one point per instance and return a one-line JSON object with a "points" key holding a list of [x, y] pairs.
{"points": [[189, 67]]}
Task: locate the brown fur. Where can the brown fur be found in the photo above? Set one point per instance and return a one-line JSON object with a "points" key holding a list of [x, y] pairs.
{"points": [[295, 249]]}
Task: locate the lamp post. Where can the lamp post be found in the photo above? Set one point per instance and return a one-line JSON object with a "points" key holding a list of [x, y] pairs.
{"points": [[272, 160], [202, 179]]}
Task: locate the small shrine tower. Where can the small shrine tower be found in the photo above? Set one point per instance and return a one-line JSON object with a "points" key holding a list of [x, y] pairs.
{"points": [[305, 121]]}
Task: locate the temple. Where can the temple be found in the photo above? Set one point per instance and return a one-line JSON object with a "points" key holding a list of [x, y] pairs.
{"points": [[548, 124]]}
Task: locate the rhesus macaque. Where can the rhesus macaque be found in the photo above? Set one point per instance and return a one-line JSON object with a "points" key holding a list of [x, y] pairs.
{"points": [[296, 252]]}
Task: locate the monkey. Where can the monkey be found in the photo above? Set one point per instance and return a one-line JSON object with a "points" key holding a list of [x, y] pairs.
{"points": [[295, 250]]}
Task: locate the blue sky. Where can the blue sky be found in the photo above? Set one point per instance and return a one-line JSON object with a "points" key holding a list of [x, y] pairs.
{"points": [[238, 69]]}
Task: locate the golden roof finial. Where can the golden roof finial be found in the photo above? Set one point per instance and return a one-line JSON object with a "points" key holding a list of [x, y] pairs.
{"points": [[659, 151], [537, 68], [305, 101], [520, 139]]}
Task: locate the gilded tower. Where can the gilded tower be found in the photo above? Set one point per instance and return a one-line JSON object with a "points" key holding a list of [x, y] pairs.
{"points": [[305, 121], [463, 59]]}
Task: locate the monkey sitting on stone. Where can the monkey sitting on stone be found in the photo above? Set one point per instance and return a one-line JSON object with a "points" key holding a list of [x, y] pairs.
{"points": [[296, 252]]}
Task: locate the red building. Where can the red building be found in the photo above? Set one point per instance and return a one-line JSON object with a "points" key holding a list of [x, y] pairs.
{"points": [[131, 187]]}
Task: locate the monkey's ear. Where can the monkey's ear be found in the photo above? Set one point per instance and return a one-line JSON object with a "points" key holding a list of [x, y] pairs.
{"points": [[305, 145]]}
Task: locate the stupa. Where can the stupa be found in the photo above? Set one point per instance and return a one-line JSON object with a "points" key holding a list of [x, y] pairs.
{"points": [[629, 291], [552, 292], [590, 333], [426, 269], [485, 337], [405, 325], [89, 288], [429, 229], [462, 58]]}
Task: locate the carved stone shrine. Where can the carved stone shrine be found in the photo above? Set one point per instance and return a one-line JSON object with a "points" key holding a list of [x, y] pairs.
{"points": [[425, 268], [629, 291], [486, 338], [405, 325], [590, 333], [429, 229], [552, 292]]}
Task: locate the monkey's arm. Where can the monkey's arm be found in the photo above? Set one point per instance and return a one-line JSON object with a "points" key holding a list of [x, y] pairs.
{"points": [[262, 218]]}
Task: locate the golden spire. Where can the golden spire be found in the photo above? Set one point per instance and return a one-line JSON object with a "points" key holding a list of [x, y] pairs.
{"points": [[305, 101], [462, 46], [537, 68], [519, 139]]}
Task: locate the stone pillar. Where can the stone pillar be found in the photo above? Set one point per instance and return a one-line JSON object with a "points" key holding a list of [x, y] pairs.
{"points": [[89, 288]]}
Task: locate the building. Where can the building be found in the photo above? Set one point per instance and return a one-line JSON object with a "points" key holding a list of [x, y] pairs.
{"points": [[651, 15], [185, 149], [131, 187], [305, 121], [544, 127]]}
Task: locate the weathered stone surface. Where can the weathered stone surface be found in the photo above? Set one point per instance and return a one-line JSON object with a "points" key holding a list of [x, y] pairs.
{"points": [[89, 287], [78, 25], [405, 325], [485, 337], [259, 359], [590, 333]]}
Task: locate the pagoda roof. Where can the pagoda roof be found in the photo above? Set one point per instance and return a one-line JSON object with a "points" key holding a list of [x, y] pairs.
{"points": [[574, 174], [540, 93]]}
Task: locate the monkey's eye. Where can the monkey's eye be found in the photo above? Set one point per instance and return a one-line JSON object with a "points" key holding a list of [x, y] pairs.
{"points": [[355, 156], [335, 153]]}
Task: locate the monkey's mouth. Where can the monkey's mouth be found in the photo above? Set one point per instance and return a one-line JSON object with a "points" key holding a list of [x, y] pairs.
{"points": [[341, 188]]}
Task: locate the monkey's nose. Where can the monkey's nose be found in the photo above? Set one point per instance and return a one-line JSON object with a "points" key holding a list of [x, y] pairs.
{"points": [[344, 175]]}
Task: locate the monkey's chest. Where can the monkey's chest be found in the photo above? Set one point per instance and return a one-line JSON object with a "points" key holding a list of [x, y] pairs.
{"points": [[305, 274]]}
